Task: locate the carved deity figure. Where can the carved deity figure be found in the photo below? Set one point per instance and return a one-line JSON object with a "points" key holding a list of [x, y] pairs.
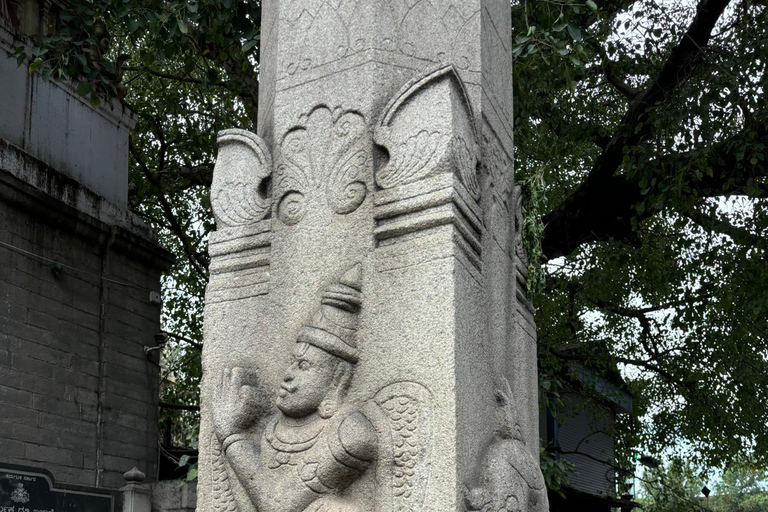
{"points": [[510, 480], [314, 446]]}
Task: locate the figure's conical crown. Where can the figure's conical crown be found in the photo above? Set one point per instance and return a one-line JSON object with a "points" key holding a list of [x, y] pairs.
{"points": [[334, 326]]}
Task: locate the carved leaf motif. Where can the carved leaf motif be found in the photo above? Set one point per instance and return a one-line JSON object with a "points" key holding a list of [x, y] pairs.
{"points": [[427, 129], [238, 196], [346, 188], [327, 147], [415, 155], [467, 164]]}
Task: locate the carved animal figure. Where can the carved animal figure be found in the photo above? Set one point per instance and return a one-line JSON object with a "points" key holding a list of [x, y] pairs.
{"points": [[511, 480]]}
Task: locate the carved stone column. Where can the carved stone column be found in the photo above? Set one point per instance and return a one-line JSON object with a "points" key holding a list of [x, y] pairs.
{"points": [[367, 249]]}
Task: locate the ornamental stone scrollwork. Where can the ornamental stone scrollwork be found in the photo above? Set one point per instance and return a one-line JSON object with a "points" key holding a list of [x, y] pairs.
{"points": [[240, 192], [428, 129], [328, 150], [303, 457], [509, 478]]}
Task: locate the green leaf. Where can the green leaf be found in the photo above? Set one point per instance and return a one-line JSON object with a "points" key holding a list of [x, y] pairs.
{"points": [[248, 46], [592, 5], [574, 31], [182, 26], [576, 61], [183, 460], [35, 65]]}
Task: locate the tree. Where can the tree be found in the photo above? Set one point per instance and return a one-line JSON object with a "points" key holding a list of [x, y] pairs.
{"points": [[678, 487], [741, 489], [641, 133], [674, 488]]}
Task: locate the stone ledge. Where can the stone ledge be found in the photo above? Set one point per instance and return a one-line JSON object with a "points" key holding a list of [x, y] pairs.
{"points": [[57, 199]]}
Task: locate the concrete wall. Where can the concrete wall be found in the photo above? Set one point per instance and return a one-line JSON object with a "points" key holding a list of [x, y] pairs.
{"points": [[174, 496], [51, 122], [78, 392]]}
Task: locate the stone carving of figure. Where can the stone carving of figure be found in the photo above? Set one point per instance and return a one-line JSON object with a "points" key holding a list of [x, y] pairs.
{"points": [[510, 480], [314, 446]]}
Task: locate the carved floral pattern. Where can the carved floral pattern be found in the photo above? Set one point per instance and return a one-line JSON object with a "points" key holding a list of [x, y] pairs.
{"points": [[327, 150], [428, 128], [238, 192], [329, 30], [416, 154]]}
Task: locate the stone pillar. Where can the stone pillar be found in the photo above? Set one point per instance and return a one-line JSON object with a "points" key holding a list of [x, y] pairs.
{"points": [[136, 493], [373, 221]]}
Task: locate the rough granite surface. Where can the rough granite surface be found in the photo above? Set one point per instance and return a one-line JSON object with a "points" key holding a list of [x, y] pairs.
{"points": [[368, 342]]}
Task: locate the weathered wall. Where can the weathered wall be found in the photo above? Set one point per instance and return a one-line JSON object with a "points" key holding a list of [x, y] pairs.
{"points": [[72, 342], [50, 121], [78, 393], [174, 496]]}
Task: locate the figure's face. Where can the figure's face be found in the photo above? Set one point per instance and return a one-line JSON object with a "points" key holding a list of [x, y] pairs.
{"points": [[307, 381]]}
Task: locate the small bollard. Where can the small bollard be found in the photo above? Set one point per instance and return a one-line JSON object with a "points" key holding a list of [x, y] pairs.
{"points": [[136, 494]]}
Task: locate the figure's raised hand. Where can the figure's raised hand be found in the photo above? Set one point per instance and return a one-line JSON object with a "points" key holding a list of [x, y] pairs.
{"points": [[239, 402]]}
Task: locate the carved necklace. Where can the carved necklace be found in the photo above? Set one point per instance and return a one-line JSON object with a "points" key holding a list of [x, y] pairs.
{"points": [[288, 439]]}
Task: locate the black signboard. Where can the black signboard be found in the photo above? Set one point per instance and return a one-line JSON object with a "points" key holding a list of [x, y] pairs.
{"points": [[24, 489]]}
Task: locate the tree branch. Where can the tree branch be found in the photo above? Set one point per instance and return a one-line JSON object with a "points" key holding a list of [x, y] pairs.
{"points": [[197, 175], [178, 407], [598, 208], [709, 223], [198, 264], [179, 78], [610, 74]]}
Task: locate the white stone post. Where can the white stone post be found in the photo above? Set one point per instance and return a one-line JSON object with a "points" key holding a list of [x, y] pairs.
{"points": [[136, 493]]}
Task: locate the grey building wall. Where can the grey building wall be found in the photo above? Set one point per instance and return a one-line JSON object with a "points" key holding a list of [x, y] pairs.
{"points": [[78, 393], [72, 342], [50, 121], [588, 428]]}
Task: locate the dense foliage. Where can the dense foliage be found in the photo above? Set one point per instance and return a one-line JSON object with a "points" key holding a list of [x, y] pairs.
{"points": [[678, 487], [642, 139]]}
